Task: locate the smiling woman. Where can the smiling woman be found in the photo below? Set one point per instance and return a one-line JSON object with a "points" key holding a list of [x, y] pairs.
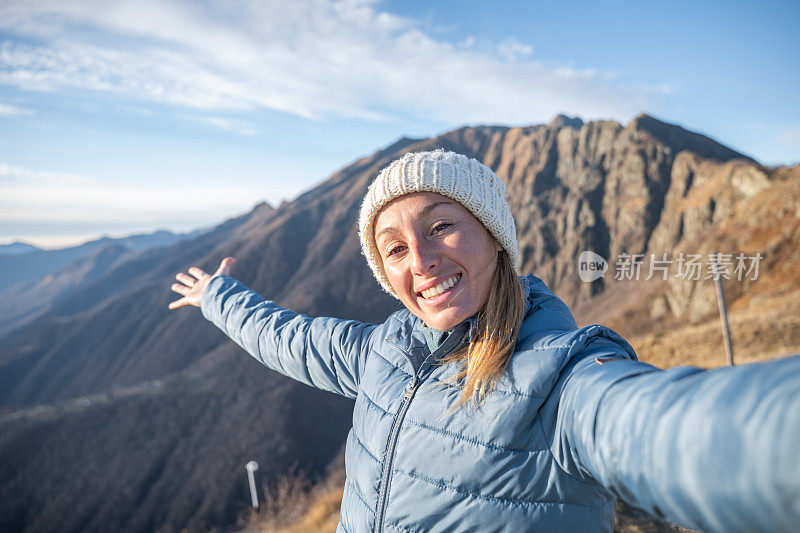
{"points": [[445, 266], [438, 258], [481, 406]]}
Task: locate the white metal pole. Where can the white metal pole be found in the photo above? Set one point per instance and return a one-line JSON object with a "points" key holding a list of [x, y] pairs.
{"points": [[251, 467]]}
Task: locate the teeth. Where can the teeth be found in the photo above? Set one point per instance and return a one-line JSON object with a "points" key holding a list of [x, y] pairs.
{"points": [[440, 288]]}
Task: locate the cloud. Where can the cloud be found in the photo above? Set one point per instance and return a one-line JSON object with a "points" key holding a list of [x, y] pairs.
{"points": [[317, 59], [228, 124], [10, 110], [29, 196], [513, 50], [11, 176]]}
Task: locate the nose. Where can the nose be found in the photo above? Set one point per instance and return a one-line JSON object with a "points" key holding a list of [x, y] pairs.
{"points": [[424, 257]]}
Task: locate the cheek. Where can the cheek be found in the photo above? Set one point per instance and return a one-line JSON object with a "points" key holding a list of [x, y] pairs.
{"points": [[461, 243], [469, 248], [392, 270], [397, 276]]}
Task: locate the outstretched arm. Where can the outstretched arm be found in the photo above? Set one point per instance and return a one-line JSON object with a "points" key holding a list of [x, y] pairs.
{"points": [[715, 450], [326, 353]]}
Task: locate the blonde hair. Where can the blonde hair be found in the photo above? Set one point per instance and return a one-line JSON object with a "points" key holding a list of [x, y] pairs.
{"points": [[485, 358]]}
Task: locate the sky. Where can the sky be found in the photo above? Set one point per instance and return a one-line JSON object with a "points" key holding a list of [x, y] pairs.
{"points": [[131, 116]]}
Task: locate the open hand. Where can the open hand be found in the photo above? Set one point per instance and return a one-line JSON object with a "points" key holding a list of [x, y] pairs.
{"points": [[193, 284]]}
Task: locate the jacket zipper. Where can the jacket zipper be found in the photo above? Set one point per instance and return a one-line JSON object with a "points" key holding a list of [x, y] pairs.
{"points": [[383, 497], [386, 473]]}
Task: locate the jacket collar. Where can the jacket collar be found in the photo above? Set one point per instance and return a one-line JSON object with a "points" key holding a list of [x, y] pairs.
{"points": [[410, 339], [550, 314]]}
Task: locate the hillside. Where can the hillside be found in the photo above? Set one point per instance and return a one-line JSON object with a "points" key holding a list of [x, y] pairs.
{"points": [[143, 418], [22, 301]]}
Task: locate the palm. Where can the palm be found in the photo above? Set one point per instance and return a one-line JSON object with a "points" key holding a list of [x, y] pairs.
{"points": [[193, 284]]}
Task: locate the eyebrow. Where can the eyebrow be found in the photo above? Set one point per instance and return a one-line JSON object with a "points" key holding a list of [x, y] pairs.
{"points": [[425, 210]]}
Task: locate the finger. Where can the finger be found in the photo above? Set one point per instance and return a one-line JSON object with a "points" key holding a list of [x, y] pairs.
{"points": [[196, 272], [225, 266], [178, 303], [185, 279], [180, 289]]}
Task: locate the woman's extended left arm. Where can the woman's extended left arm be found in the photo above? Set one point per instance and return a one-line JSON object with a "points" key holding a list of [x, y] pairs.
{"points": [[715, 450]]}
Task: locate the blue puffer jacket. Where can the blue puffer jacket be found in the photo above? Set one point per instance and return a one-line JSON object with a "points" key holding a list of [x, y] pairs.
{"points": [[575, 419]]}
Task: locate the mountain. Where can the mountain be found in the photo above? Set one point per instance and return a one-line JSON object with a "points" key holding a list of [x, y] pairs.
{"points": [[17, 248], [24, 300], [21, 302], [119, 414], [20, 262]]}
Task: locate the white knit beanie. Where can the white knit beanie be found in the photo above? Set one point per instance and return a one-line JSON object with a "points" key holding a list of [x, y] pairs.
{"points": [[465, 180]]}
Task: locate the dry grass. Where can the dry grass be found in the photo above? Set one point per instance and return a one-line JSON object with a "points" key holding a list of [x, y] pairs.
{"points": [[766, 329], [295, 505], [296, 508]]}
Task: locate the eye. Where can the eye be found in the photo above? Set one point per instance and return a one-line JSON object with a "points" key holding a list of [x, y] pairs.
{"points": [[441, 226], [395, 250]]}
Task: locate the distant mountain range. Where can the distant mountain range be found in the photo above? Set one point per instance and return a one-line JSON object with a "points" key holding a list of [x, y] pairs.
{"points": [[17, 248], [31, 279], [121, 415], [21, 262]]}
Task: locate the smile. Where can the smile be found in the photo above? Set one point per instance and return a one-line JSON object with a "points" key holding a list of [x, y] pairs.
{"points": [[441, 288]]}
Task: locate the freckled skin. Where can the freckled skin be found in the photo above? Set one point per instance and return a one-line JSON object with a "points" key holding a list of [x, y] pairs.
{"points": [[432, 246]]}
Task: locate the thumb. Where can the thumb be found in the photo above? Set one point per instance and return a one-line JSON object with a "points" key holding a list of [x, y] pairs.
{"points": [[225, 267]]}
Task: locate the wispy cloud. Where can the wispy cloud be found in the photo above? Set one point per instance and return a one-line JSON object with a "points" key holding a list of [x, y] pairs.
{"points": [[44, 197], [228, 124], [310, 58], [12, 176], [12, 110], [513, 50]]}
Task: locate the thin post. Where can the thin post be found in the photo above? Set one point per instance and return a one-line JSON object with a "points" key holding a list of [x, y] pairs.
{"points": [[723, 311], [251, 467]]}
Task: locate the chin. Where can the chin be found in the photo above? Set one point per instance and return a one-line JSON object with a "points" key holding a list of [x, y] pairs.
{"points": [[444, 323]]}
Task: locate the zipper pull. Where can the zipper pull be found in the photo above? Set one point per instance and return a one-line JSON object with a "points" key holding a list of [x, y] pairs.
{"points": [[410, 389]]}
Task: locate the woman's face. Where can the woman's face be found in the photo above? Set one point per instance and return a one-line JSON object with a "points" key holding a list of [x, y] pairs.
{"points": [[438, 257]]}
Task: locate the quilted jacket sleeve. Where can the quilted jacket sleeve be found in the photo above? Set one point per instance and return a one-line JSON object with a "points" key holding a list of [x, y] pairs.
{"points": [[713, 450], [326, 353]]}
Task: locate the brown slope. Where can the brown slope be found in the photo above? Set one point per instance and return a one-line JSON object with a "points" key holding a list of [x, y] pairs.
{"points": [[734, 207]]}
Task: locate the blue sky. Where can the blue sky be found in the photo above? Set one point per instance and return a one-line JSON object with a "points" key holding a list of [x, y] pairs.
{"points": [[129, 116]]}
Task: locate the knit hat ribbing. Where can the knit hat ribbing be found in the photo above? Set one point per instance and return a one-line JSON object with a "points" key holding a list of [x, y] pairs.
{"points": [[465, 180]]}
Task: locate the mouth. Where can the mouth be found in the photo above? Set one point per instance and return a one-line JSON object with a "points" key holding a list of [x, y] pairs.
{"points": [[440, 291]]}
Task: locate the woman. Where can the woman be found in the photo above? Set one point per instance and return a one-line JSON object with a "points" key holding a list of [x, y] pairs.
{"points": [[482, 407]]}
